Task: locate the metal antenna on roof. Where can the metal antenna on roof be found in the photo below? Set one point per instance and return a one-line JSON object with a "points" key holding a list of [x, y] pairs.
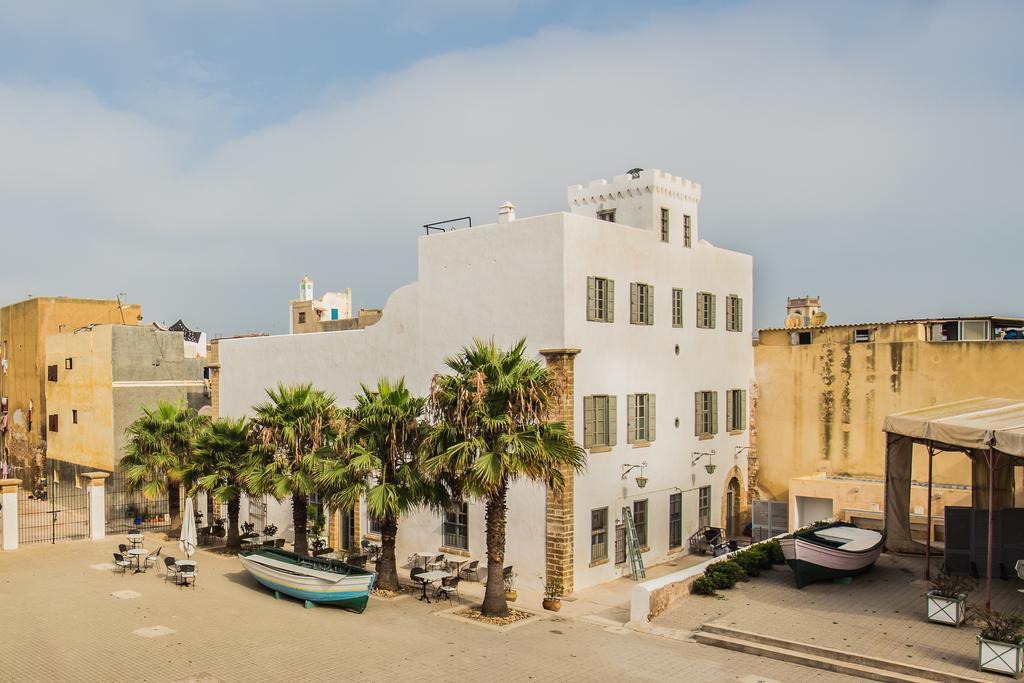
{"points": [[120, 306]]}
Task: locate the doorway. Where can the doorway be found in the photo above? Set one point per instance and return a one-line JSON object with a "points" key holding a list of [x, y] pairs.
{"points": [[732, 508], [348, 529]]}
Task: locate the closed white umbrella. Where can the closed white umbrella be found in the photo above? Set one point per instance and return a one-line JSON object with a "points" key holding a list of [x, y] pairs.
{"points": [[189, 538]]}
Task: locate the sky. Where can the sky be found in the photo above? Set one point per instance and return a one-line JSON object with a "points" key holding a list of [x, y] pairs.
{"points": [[202, 156]]}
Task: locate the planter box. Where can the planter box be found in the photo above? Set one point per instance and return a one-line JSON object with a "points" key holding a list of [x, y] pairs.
{"points": [[944, 610], [1002, 658]]}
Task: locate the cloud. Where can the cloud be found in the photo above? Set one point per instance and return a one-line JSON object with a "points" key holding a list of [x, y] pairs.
{"points": [[867, 153]]}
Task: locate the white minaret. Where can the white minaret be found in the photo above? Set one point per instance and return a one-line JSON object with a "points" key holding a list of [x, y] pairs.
{"points": [[306, 289]]}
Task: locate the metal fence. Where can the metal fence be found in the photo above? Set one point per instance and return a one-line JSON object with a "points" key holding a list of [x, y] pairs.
{"points": [[131, 511], [258, 512], [58, 508]]}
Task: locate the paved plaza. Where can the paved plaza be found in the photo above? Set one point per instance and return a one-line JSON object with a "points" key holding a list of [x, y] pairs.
{"points": [[60, 620], [879, 614]]}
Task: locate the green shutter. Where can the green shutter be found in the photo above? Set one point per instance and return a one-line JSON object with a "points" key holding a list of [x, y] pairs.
{"points": [[610, 301], [612, 421], [591, 298], [728, 313], [700, 309], [743, 409], [650, 305], [714, 412], [631, 418], [652, 420], [728, 410], [739, 315], [712, 302], [696, 414], [589, 422], [633, 305]]}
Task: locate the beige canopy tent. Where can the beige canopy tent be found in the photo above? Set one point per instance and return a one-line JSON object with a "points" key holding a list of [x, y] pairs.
{"points": [[990, 431]]}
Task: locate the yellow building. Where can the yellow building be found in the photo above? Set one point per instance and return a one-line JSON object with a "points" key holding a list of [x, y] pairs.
{"points": [[24, 327], [822, 393]]}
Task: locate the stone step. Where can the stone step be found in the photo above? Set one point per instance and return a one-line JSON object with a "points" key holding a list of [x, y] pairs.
{"points": [[816, 661], [841, 655]]}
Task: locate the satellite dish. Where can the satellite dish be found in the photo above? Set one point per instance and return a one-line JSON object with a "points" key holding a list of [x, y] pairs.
{"points": [[794, 320], [819, 318]]}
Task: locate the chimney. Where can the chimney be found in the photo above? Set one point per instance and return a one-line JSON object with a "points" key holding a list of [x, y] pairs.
{"points": [[506, 212]]}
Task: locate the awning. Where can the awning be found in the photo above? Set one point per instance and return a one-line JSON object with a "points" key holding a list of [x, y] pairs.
{"points": [[976, 423]]}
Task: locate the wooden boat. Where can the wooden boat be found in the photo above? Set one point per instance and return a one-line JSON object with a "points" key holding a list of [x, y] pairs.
{"points": [[313, 579], [831, 551]]}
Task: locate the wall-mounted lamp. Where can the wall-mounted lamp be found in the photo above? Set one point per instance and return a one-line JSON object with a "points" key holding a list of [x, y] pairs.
{"points": [[740, 449], [641, 480], [709, 466]]}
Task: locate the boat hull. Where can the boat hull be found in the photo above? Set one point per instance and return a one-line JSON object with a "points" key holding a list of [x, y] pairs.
{"points": [[812, 561], [350, 592]]}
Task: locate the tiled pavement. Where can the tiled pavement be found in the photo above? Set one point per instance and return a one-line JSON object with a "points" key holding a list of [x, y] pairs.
{"points": [[880, 614], [60, 621]]}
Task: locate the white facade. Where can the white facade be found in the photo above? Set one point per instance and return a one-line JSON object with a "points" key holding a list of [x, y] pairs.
{"points": [[528, 277]]}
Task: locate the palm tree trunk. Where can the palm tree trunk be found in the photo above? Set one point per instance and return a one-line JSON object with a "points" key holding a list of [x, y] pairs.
{"points": [[387, 567], [495, 604], [234, 543], [299, 515], [174, 507]]}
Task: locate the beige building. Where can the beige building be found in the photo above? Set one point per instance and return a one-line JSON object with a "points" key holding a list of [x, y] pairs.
{"points": [[102, 376], [332, 312], [822, 393], [24, 327]]}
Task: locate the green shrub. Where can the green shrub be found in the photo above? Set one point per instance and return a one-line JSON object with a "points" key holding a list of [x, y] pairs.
{"points": [[774, 551], [750, 561], [725, 574], [703, 585]]}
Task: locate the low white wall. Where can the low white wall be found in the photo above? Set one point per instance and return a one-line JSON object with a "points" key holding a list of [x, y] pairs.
{"points": [[640, 598]]}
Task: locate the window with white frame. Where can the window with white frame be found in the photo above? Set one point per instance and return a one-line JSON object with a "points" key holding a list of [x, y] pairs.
{"points": [[733, 313], [641, 303], [677, 308]]}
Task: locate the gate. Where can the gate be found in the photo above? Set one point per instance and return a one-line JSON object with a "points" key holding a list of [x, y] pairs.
{"points": [[258, 512], [769, 518], [129, 511], [58, 510]]}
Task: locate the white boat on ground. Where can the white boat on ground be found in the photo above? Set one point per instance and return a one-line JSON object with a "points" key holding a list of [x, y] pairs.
{"points": [[831, 551]]}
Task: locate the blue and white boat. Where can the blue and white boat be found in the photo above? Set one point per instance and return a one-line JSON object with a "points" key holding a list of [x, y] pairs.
{"points": [[312, 579]]}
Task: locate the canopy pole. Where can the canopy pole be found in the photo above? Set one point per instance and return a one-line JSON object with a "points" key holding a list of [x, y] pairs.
{"points": [[991, 485], [928, 528]]}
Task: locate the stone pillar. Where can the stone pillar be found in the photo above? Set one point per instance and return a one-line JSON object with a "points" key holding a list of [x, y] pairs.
{"points": [[560, 512], [213, 384], [97, 504], [9, 500]]}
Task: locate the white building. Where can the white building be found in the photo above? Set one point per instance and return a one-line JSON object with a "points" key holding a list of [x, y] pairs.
{"points": [[660, 319]]}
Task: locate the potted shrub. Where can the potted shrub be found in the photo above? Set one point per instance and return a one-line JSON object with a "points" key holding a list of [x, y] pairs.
{"points": [[947, 599], [219, 530], [510, 587], [1000, 642], [553, 594], [270, 530]]}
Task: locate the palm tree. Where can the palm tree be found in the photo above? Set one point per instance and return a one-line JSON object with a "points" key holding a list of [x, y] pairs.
{"points": [[221, 461], [295, 432], [159, 444], [491, 429], [379, 452]]}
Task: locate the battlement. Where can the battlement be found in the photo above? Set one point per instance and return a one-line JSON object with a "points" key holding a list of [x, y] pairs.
{"points": [[651, 181]]}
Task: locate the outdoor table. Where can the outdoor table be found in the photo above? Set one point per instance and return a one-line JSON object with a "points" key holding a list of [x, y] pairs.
{"points": [[137, 554], [183, 566], [135, 539], [455, 564], [430, 578], [425, 556]]}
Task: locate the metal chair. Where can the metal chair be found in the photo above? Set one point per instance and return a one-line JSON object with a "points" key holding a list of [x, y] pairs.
{"points": [[438, 562], [448, 586], [152, 558], [170, 568], [357, 561], [186, 574], [471, 568], [121, 564], [122, 548]]}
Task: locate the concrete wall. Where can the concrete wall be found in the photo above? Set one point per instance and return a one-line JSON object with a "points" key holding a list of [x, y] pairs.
{"points": [[821, 405], [24, 327]]}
